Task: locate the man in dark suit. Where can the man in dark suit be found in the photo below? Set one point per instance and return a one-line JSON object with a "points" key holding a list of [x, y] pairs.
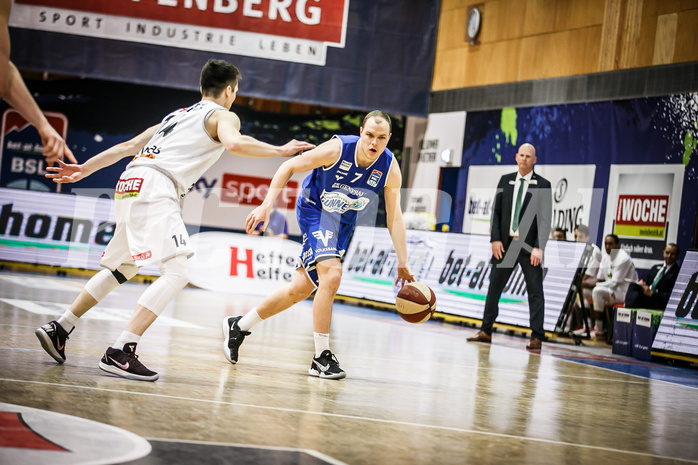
{"points": [[655, 290], [520, 227]]}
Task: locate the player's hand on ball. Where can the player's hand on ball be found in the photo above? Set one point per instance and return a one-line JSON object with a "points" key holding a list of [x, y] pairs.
{"points": [[404, 276]]}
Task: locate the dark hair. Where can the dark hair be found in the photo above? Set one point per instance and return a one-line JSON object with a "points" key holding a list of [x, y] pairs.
{"points": [[672, 244], [615, 238], [559, 229], [380, 115], [216, 75], [583, 229]]}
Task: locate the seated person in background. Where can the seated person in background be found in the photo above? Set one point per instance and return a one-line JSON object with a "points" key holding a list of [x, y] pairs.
{"points": [[581, 234], [616, 268], [560, 234], [661, 279]]}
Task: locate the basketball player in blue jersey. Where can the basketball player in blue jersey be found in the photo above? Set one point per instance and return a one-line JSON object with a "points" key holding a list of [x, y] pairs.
{"points": [[348, 173], [168, 159]]}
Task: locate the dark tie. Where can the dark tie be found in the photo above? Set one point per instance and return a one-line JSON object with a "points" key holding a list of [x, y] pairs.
{"points": [[658, 278], [517, 210]]}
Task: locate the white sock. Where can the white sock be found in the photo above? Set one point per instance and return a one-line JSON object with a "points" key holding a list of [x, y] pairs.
{"points": [[322, 343], [124, 338], [249, 320], [68, 320]]}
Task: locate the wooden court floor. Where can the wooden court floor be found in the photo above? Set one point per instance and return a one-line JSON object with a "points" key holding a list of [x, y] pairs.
{"points": [[414, 394]]}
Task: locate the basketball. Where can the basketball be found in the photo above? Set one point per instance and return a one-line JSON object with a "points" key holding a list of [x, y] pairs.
{"points": [[415, 302]]}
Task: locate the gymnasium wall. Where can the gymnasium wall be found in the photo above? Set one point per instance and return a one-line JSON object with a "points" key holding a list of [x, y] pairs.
{"points": [[528, 40]]}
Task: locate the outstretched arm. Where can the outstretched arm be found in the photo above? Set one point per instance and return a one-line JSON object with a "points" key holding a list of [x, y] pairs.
{"points": [[396, 223], [225, 127], [324, 154], [15, 92], [64, 173]]}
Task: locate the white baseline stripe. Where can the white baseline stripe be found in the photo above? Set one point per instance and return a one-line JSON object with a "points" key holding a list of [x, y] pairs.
{"points": [[355, 417]]}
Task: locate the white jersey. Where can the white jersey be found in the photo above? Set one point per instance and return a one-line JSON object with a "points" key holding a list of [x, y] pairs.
{"points": [[182, 148]]}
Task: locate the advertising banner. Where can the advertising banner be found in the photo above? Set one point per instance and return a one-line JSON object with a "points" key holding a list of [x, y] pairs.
{"points": [[456, 267], [242, 264], [678, 329], [572, 192], [229, 190], [442, 146], [299, 30], [649, 135], [643, 209], [57, 230], [334, 53], [22, 166]]}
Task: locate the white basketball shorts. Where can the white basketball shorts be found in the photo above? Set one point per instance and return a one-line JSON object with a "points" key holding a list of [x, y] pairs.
{"points": [[149, 226]]}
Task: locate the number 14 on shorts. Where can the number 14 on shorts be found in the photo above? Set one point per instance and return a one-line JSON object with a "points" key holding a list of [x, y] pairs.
{"points": [[179, 242]]}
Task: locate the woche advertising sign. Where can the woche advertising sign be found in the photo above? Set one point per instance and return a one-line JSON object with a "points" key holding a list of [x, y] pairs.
{"points": [[456, 267], [643, 209], [291, 30]]}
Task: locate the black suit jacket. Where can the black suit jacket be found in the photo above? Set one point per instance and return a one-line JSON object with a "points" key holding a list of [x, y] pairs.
{"points": [[635, 298], [666, 284], [536, 212]]}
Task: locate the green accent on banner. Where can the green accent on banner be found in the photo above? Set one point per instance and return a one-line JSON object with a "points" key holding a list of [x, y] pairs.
{"points": [[689, 145], [651, 232], [41, 245], [481, 297], [685, 324], [381, 282], [508, 125]]}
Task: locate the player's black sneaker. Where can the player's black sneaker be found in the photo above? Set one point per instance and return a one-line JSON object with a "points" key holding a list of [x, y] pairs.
{"points": [[326, 366], [125, 363], [233, 337], [52, 337]]}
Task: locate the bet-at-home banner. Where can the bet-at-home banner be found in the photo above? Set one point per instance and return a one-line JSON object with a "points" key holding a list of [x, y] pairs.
{"points": [[456, 267]]}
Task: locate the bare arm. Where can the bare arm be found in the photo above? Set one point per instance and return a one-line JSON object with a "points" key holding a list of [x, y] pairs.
{"points": [[323, 155], [225, 127], [396, 223], [65, 173], [15, 92]]}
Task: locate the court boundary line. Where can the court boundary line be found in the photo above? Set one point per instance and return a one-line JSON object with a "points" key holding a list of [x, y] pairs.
{"points": [[359, 418]]}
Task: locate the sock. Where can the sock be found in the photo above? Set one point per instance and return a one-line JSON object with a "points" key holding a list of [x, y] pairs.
{"points": [[322, 343], [599, 326], [249, 320], [68, 321], [124, 338]]}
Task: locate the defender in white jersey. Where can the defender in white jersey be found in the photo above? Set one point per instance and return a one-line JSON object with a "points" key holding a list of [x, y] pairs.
{"points": [[327, 214], [168, 159]]}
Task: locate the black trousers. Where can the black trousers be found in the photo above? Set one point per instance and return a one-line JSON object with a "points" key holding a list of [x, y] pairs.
{"points": [[499, 276], [636, 298]]}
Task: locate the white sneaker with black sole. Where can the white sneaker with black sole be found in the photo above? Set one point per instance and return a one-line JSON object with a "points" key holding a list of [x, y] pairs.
{"points": [[326, 366], [125, 363]]}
